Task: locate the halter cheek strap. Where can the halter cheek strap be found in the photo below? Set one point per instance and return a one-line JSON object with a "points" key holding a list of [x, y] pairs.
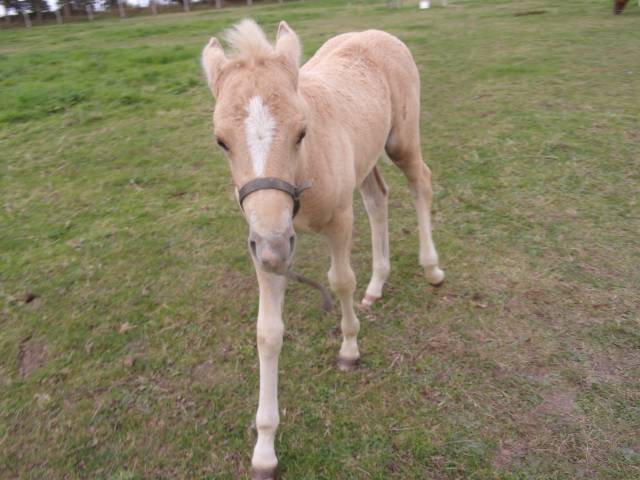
{"points": [[272, 183]]}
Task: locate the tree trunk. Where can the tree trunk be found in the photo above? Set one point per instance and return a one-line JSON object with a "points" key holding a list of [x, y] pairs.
{"points": [[58, 17], [154, 7], [66, 9], [249, 2], [185, 5], [90, 12], [121, 10], [27, 20], [37, 6], [7, 17], [218, 3]]}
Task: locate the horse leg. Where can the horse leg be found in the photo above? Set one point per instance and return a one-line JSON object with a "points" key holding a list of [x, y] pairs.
{"points": [[375, 195], [270, 329], [343, 282], [408, 157]]}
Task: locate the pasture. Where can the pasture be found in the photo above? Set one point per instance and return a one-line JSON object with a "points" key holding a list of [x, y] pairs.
{"points": [[128, 299]]}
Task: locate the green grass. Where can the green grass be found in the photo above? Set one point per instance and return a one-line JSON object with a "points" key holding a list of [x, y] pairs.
{"points": [[137, 358]]}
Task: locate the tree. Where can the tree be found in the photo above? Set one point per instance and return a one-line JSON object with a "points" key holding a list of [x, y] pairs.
{"points": [[23, 8], [66, 8], [39, 6], [7, 17]]}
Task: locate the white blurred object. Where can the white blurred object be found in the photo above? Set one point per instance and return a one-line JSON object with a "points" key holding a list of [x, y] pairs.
{"points": [[424, 4]]}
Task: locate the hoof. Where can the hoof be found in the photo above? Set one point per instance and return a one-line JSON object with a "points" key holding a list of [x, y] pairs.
{"points": [[435, 276], [369, 300], [348, 364], [263, 473]]}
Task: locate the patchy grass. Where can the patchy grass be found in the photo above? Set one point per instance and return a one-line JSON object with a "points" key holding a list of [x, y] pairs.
{"points": [[128, 300]]}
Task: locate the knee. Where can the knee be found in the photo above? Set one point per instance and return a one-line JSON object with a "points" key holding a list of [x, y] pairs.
{"points": [[270, 339], [343, 282]]}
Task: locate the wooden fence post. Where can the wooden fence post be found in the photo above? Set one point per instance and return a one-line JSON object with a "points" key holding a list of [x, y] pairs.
{"points": [[185, 4], [27, 20], [121, 9]]}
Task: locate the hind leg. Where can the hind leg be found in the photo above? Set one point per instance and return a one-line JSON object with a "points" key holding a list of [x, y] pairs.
{"points": [[374, 195], [407, 156]]}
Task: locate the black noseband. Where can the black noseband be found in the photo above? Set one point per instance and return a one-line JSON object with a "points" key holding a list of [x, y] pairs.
{"points": [[272, 183]]}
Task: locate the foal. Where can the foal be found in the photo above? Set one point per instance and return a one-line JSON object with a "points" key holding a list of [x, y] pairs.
{"points": [[319, 127]]}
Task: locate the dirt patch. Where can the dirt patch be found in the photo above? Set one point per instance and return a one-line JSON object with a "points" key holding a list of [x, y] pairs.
{"points": [[235, 283], [32, 355], [609, 365], [504, 457], [205, 375], [536, 427], [560, 401]]}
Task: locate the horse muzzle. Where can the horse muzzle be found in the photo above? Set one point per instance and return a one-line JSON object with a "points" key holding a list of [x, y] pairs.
{"points": [[273, 253]]}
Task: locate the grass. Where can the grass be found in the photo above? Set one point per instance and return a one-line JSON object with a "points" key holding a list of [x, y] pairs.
{"points": [[134, 356]]}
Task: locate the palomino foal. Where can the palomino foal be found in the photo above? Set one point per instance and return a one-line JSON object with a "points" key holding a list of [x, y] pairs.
{"points": [[284, 128]]}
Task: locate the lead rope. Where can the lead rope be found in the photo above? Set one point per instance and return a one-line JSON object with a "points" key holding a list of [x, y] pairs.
{"points": [[327, 304]]}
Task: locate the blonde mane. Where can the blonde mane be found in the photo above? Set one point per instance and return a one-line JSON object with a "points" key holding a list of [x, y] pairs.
{"points": [[247, 40]]}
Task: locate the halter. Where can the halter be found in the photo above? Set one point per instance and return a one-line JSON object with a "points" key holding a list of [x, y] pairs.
{"points": [[272, 183]]}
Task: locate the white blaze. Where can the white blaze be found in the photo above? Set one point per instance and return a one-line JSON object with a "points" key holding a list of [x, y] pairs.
{"points": [[259, 126]]}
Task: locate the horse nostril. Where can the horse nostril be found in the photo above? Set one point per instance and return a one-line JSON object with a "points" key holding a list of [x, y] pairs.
{"points": [[252, 245], [292, 242]]}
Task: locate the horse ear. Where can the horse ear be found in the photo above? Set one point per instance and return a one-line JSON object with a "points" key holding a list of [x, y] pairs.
{"points": [[213, 60], [288, 45]]}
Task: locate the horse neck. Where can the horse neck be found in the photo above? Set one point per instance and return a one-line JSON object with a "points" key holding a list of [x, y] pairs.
{"points": [[307, 168], [315, 95]]}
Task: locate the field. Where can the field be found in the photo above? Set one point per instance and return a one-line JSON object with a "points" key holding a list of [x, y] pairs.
{"points": [[128, 301]]}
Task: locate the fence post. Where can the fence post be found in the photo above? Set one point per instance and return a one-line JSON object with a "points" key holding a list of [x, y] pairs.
{"points": [[218, 3], [121, 9], [58, 17], [249, 2], [185, 4], [27, 20], [154, 7]]}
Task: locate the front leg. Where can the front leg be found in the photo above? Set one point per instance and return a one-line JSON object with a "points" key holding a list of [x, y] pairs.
{"points": [[269, 338], [343, 283]]}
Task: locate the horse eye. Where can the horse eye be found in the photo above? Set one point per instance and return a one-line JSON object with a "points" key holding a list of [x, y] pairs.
{"points": [[222, 145], [301, 135]]}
